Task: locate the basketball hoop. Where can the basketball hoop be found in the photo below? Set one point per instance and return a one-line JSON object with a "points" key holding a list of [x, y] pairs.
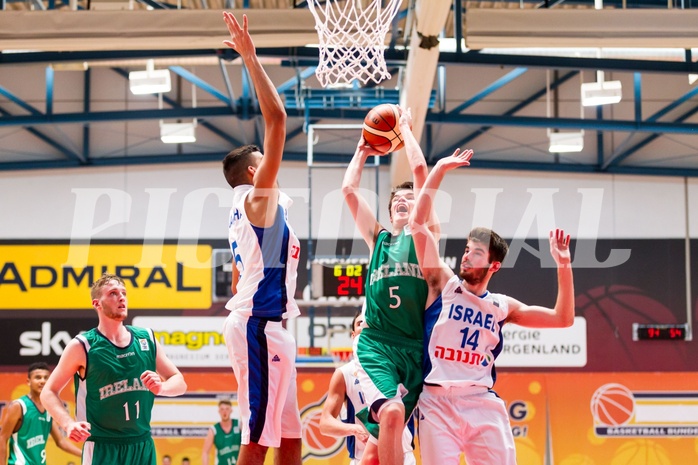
{"points": [[352, 38], [340, 356]]}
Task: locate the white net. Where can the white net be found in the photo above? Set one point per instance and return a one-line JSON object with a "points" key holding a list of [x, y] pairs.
{"points": [[341, 355], [352, 38]]}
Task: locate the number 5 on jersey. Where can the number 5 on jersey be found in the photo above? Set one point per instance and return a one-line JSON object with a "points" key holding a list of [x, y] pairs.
{"points": [[393, 296]]}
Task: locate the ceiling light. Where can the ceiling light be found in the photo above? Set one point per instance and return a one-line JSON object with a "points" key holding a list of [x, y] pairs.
{"points": [[601, 92], [566, 142], [692, 78], [178, 133], [150, 81]]}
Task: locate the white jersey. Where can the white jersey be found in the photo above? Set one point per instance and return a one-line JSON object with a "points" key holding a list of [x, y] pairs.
{"points": [[267, 260], [355, 402], [463, 338]]}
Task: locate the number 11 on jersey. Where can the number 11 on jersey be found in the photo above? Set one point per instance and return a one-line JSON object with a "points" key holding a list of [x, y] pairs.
{"points": [[138, 411]]}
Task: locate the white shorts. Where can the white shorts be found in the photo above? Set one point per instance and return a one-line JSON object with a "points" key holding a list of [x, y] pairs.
{"points": [[476, 424], [263, 353]]}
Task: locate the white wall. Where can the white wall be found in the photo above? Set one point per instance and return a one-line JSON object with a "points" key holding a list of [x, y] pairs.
{"points": [[189, 201]]}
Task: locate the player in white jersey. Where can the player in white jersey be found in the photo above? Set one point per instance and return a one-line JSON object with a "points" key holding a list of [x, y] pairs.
{"points": [[345, 391], [265, 252], [459, 411]]}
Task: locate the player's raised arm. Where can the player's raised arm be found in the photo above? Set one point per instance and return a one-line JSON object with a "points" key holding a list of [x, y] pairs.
{"points": [[418, 164], [562, 315], [363, 215], [426, 246], [415, 157], [273, 112]]}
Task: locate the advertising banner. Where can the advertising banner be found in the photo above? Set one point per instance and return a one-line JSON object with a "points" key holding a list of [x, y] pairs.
{"points": [[189, 341], [624, 418], [198, 341], [544, 347], [25, 340], [525, 396], [194, 413], [50, 276], [180, 424]]}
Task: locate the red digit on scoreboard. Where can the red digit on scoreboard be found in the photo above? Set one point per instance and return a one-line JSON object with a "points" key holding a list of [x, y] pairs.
{"points": [[343, 288], [357, 283]]}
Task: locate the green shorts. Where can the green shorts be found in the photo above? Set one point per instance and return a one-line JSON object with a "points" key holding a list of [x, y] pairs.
{"points": [[119, 452], [389, 361]]}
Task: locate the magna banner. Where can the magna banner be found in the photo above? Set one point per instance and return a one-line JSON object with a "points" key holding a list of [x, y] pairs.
{"points": [[41, 277]]}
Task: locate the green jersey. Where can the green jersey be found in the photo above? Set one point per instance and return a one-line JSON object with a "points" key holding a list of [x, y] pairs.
{"points": [[227, 444], [28, 444], [112, 397], [396, 292]]}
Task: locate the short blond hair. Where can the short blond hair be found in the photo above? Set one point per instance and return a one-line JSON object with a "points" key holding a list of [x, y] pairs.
{"points": [[98, 285]]}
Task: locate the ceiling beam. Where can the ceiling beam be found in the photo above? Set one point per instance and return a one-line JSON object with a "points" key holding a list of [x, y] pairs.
{"points": [[303, 57], [356, 114], [69, 154], [513, 110], [168, 158], [496, 85]]}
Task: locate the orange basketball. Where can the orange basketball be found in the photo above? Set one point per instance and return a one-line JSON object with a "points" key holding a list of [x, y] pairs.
{"points": [[613, 404], [381, 128]]}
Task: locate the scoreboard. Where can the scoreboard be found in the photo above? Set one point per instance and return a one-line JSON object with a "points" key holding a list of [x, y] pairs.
{"points": [[335, 277], [676, 332]]}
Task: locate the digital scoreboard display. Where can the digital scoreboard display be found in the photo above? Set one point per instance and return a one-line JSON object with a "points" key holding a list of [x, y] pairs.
{"points": [[643, 332], [339, 278]]}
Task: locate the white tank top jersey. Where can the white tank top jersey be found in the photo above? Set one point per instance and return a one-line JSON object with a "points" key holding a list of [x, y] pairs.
{"points": [[267, 260], [463, 338], [355, 403]]}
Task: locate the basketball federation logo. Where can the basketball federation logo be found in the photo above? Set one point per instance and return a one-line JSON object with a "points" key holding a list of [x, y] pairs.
{"points": [[620, 412], [612, 405], [316, 444]]}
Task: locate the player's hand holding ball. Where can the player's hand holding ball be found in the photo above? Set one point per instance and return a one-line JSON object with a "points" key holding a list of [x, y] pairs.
{"points": [[382, 127]]}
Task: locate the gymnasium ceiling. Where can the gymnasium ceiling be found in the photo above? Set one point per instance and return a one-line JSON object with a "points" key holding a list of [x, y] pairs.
{"points": [[512, 80]]}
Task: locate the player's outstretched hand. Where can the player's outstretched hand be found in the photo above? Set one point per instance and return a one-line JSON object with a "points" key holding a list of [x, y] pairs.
{"points": [[240, 39], [456, 160], [152, 381], [78, 431], [560, 247]]}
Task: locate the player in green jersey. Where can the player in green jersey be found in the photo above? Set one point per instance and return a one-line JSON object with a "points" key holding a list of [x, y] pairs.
{"points": [[27, 424], [224, 436], [389, 349], [118, 371]]}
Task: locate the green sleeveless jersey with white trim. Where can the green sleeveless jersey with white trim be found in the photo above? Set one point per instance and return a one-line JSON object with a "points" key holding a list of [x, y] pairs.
{"points": [[28, 444], [227, 444], [112, 397], [396, 292]]}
